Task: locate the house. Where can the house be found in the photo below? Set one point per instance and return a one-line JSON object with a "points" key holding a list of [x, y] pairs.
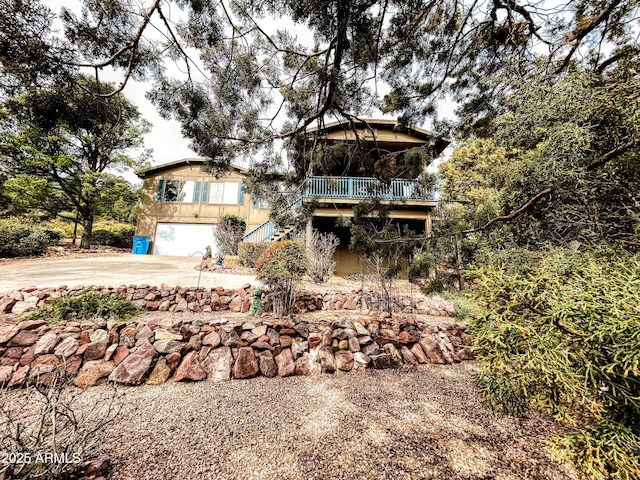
{"points": [[181, 203]]}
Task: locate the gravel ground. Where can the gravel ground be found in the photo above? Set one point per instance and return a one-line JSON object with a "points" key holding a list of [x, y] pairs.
{"points": [[392, 424]]}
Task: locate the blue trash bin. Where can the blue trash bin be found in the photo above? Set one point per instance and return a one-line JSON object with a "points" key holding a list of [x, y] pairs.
{"points": [[141, 245]]}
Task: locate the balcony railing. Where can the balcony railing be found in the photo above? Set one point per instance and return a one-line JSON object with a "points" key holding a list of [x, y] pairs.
{"points": [[365, 187], [261, 234]]}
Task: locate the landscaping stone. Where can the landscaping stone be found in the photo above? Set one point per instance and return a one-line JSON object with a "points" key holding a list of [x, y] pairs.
{"points": [[212, 339], [160, 373], [267, 365], [307, 365], [432, 350], [134, 367], [24, 338], [67, 347], [190, 369], [99, 335], [245, 365], [46, 343], [218, 364], [380, 361], [161, 334], [285, 363], [344, 360], [7, 332], [408, 357], [327, 360], [92, 371], [96, 350], [167, 346]]}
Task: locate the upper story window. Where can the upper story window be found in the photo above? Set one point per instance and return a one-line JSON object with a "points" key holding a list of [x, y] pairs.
{"points": [[178, 191], [226, 193]]}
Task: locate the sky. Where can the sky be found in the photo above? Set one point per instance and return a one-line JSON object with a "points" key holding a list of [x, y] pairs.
{"points": [[165, 138]]}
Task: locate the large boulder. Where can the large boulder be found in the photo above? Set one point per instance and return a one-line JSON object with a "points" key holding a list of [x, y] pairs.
{"points": [[92, 371], [432, 350], [160, 373], [246, 365], [190, 369], [218, 364], [134, 367], [286, 365], [418, 352], [408, 357], [327, 360], [307, 365], [344, 360], [268, 366]]}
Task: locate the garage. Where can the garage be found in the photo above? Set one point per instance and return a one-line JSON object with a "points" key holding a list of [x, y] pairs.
{"points": [[183, 239]]}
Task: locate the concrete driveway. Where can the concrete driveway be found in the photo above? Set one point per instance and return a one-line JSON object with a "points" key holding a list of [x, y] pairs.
{"points": [[113, 270]]}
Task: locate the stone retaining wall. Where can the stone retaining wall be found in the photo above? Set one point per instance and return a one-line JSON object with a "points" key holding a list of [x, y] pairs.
{"points": [[179, 299], [218, 350]]}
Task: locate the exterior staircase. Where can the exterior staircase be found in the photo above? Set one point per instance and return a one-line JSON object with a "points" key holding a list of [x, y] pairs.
{"points": [[267, 232]]}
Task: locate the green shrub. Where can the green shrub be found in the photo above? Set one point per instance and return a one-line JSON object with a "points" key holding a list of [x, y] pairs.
{"points": [[250, 252], [280, 267], [559, 333], [22, 238], [87, 306], [114, 234]]}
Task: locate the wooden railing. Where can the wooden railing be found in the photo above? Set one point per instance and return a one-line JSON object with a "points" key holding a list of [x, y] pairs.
{"points": [[365, 187], [263, 233]]}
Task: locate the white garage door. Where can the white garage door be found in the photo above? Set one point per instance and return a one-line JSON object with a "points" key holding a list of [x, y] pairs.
{"points": [[183, 239]]}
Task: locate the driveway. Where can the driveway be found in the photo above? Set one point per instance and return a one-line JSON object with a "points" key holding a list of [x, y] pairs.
{"points": [[113, 270]]}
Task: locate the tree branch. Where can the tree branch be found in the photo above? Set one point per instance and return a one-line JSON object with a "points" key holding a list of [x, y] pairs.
{"points": [[614, 153], [511, 216]]}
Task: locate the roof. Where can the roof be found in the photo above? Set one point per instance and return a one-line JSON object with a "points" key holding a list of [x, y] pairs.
{"points": [[385, 124], [183, 161]]}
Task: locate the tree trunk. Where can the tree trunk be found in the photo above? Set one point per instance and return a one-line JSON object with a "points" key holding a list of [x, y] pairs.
{"points": [[457, 243], [87, 230]]}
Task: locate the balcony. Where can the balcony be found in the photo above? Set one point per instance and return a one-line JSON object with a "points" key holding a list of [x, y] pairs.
{"points": [[358, 188]]}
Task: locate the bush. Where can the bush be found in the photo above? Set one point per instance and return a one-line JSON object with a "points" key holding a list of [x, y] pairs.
{"points": [[48, 417], [87, 306], [250, 252], [22, 238], [229, 233], [280, 267], [559, 333], [114, 235], [320, 250]]}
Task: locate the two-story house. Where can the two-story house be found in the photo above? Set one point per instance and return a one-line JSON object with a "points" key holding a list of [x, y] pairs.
{"points": [[181, 204]]}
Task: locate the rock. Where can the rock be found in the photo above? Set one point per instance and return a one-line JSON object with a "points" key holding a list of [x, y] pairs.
{"points": [[262, 346], [167, 346], [22, 307], [48, 359], [246, 365], [344, 360], [146, 332], [343, 344], [259, 330], [302, 329], [387, 332], [173, 359], [32, 324], [135, 366], [46, 343], [6, 304], [195, 342], [160, 373], [18, 377], [28, 355], [274, 337], [307, 365], [285, 341], [109, 352], [268, 366], [465, 354], [327, 360], [285, 363], [120, 354], [7, 332], [162, 334], [67, 347], [405, 337], [24, 338], [371, 349], [190, 369], [380, 361], [418, 353], [98, 467], [364, 340], [360, 328], [72, 365], [298, 348], [314, 339], [96, 350], [212, 340], [393, 353], [408, 357], [6, 372], [99, 335], [228, 336], [218, 364], [354, 344], [92, 371], [432, 350], [360, 361]]}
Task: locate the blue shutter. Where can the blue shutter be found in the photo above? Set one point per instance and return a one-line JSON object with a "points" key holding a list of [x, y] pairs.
{"points": [[205, 192], [160, 189], [241, 196], [196, 193]]}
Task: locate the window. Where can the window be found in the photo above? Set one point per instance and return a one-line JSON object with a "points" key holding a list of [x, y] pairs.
{"points": [[226, 193], [178, 191]]}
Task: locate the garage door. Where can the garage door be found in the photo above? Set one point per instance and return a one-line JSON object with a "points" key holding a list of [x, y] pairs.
{"points": [[183, 239]]}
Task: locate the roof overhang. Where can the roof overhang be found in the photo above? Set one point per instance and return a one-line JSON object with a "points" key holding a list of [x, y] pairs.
{"points": [[178, 163]]}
